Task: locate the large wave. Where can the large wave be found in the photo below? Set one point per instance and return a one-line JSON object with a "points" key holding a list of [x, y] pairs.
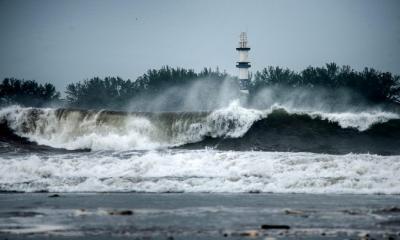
{"points": [[233, 127], [201, 171]]}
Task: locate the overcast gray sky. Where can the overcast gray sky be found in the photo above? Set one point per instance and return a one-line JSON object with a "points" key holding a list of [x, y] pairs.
{"points": [[68, 41]]}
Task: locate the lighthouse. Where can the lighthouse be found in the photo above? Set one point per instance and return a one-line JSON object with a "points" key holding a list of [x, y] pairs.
{"points": [[243, 64]]}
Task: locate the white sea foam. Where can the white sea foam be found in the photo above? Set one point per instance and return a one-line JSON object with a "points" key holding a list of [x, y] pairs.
{"points": [[362, 120], [202, 171], [233, 121]]}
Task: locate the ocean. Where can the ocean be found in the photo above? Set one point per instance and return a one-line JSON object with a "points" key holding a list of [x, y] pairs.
{"points": [[200, 164]]}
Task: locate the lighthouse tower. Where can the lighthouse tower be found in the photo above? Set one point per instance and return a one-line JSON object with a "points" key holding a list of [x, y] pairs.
{"points": [[243, 63]]}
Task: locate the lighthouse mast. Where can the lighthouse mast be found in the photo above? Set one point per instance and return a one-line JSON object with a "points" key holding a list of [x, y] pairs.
{"points": [[243, 63]]}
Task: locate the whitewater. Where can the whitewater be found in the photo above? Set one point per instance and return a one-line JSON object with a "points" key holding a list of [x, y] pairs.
{"points": [[202, 171], [230, 150]]}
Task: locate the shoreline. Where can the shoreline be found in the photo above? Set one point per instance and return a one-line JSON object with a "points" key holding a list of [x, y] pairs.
{"points": [[49, 193], [198, 215]]}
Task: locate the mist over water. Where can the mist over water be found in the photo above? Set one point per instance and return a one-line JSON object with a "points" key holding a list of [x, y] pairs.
{"points": [[312, 141], [188, 114], [209, 95], [315, 99], [202, 95]]}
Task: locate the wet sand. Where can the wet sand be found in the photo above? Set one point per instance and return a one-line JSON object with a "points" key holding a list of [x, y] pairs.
{"points": [[198, 216]]}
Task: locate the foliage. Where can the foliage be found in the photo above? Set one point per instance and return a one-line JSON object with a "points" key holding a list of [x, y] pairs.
{"points": [[27, 93], [373, 85], [99, 93], [115, 93]]}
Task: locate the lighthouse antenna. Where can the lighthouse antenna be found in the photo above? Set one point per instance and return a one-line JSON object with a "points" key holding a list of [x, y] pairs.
{"points": [[243, 40]]}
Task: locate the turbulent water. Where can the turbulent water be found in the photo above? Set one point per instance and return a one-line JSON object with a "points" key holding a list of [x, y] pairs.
{"points": [[202, 171], [233, 149]]}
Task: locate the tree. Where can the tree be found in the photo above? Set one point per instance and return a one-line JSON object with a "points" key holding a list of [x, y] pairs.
{"points": [[373, 85], [116, 93], [27, 93], [110, 92]]}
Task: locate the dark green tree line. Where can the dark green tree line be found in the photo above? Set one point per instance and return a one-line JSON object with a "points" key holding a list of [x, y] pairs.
{"points": [[27, 93], [115, 92], [109, 92], [373, 85]]}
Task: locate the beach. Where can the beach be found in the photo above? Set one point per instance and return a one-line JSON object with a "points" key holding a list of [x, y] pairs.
{"points": [[198, 216]]}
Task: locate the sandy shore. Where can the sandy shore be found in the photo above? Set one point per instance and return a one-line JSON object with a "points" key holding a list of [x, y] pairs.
{"points": [[198, 216]]}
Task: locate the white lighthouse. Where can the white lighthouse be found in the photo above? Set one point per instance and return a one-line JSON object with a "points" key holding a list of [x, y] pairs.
{"points": [[243, 63]]}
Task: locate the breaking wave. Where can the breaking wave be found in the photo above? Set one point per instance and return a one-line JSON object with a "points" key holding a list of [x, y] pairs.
{"points": [[231, 128], [108, 130], [300, 151], [201, 171]]}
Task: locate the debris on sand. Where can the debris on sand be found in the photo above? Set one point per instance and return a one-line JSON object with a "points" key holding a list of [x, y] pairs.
{"points": [[393, 209], [295, 213], [269, 226], [54, 195], [250, 233], [121, 213]]}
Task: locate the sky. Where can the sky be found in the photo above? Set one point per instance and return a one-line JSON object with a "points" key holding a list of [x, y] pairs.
{"points": [[68, 41]]}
